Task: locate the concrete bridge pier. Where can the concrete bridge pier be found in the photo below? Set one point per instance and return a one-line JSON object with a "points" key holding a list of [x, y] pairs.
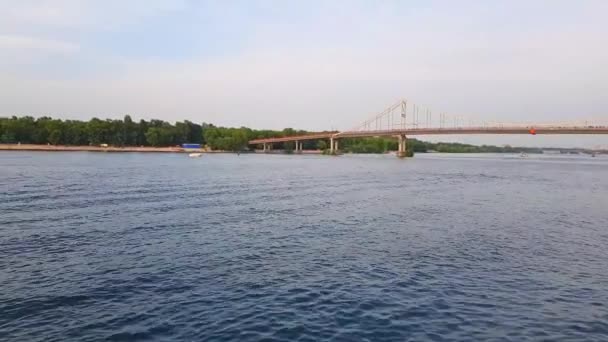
{"points": [[298, 146], [333, 146], [402, 150]]}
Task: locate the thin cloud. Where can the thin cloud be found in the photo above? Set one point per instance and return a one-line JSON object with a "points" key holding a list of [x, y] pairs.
{"points": [[25, 44], [312, 66], [83, 14]]}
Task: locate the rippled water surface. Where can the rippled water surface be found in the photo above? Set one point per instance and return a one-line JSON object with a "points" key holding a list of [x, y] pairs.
{"points": [[158, 247]]}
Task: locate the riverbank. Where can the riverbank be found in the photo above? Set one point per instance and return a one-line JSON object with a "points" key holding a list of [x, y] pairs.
{"points": [[147, 149], [63, 148]]}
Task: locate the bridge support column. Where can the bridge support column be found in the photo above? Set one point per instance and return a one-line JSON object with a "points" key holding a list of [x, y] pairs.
{"points": [[333, 146], [402, 150], [265, 147], [298, 147]]}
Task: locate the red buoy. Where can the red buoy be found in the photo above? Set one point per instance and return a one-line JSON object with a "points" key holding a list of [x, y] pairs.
{"points": [[532, 131]]}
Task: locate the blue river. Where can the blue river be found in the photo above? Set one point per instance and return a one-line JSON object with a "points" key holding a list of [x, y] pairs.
{"points": [[162, 247]]}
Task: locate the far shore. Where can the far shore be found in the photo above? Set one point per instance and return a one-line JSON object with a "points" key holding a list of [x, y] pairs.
{"points": [[150, 149], [63, 148], [85, 148]]}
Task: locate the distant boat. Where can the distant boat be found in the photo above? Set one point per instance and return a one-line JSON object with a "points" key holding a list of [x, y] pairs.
{"points": [[195, 155], [523, 155]]}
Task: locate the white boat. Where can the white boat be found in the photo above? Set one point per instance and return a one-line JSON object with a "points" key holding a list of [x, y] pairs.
{"points": [[195, 155], [523, 155]]}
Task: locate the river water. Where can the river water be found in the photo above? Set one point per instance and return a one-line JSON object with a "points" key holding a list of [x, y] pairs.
{"points": [[158, 247]]}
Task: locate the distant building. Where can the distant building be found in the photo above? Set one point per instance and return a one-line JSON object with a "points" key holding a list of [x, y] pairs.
{"points": [[191, 146]]}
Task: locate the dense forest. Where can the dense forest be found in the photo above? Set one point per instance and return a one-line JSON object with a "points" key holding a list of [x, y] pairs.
{"points": [[126, 132]]}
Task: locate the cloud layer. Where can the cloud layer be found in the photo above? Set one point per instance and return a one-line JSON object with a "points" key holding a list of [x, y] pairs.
{"points": [[313, 65]]}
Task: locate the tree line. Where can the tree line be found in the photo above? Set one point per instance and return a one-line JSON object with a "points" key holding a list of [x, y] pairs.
{"points": [[383, 145], [158, 133], [126, 132]]}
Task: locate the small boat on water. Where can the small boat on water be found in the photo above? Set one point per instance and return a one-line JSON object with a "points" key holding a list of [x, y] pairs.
{"points": [[523, 155], [195, 155]]}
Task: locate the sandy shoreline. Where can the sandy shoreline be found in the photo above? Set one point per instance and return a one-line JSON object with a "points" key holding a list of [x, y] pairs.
{"points": [[175, 149], [61, 148]]}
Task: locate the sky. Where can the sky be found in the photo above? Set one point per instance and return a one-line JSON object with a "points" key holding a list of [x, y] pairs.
{"points": [[314, 65]]}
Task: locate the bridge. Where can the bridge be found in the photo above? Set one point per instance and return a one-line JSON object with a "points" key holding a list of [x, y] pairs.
{"points": [[393, 122]]}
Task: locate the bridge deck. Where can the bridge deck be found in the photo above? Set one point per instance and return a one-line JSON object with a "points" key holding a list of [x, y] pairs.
{"points": [[313, 136], [438, 131]]}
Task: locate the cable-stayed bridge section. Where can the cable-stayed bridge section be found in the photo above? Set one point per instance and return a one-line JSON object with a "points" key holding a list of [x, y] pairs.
{"points": [[400, 121]]}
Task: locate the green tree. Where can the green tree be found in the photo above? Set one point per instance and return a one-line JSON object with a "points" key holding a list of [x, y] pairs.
{"points": [[55, 137], [129, 131], [154, 136], [142, 128], [239, 139], [97, 131]]}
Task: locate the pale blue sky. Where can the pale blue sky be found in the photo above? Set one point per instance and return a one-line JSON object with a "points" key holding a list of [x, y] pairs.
{"points": [[307, 64]]}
